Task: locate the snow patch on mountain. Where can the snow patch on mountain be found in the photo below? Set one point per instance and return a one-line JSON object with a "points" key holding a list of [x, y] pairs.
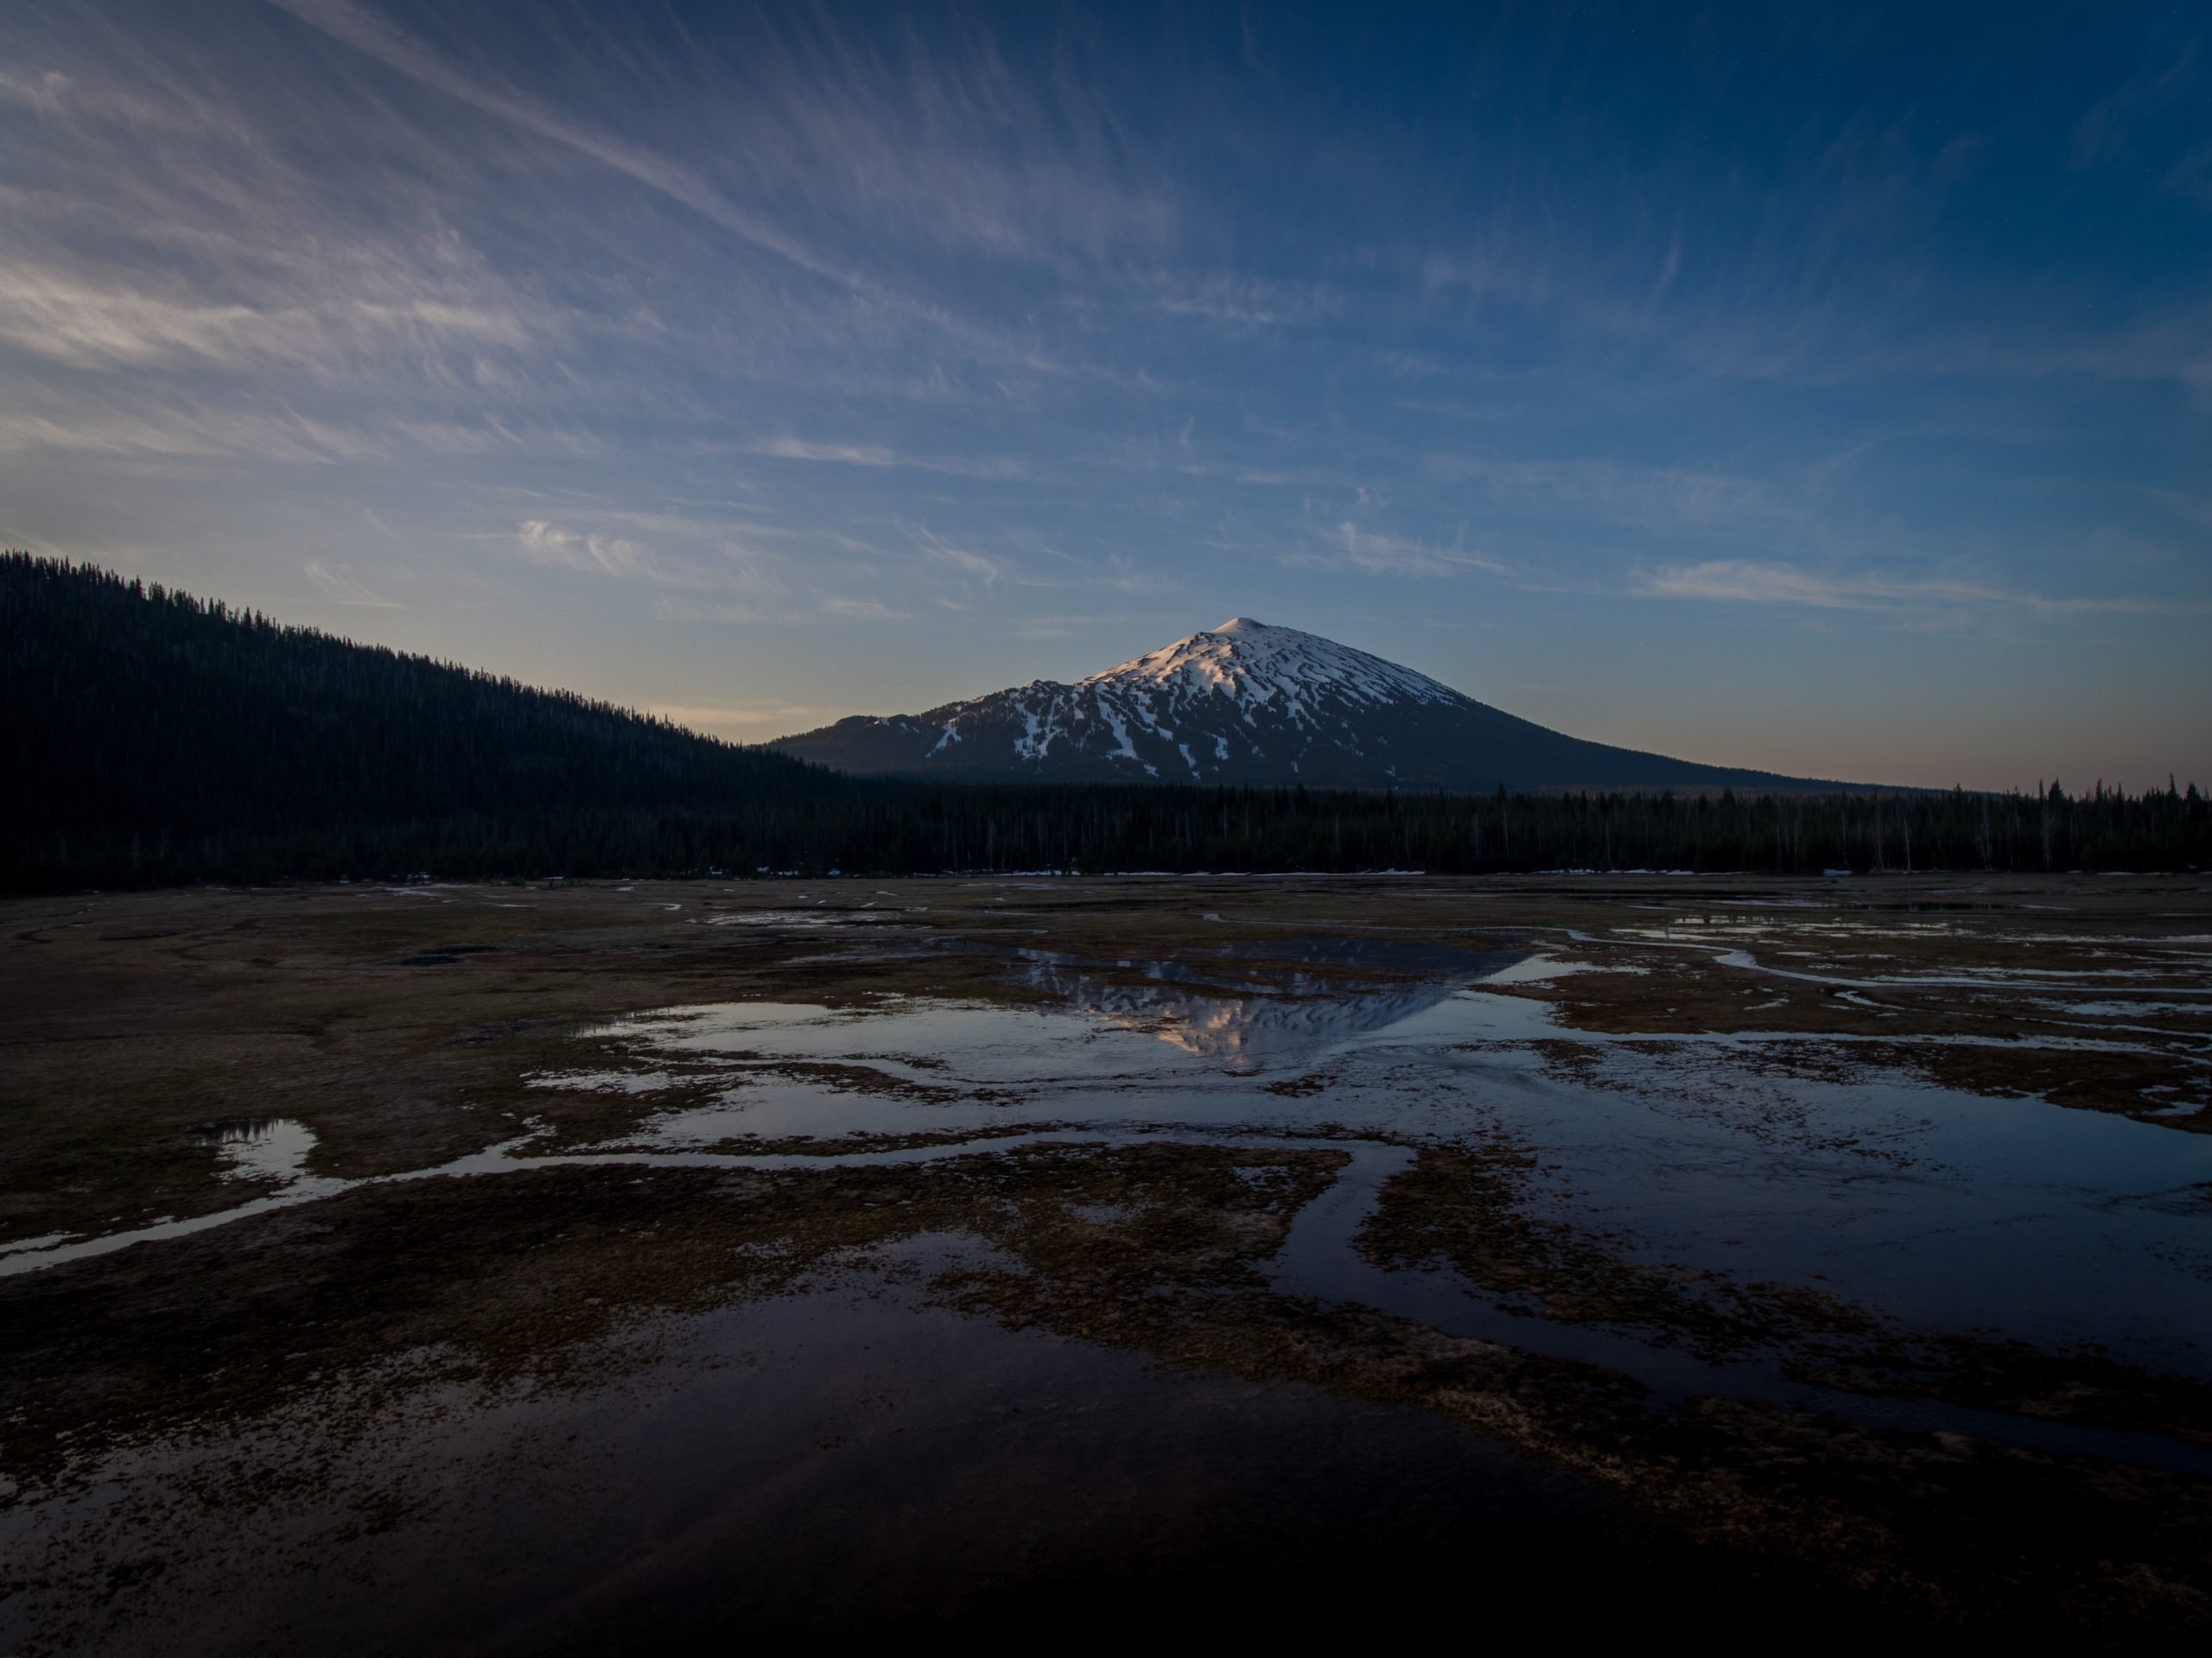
{"points": [[1286, 672], [1244, 671]]}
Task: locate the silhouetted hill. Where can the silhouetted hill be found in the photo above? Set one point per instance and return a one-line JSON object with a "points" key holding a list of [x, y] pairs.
{"points": [[145, 722]]}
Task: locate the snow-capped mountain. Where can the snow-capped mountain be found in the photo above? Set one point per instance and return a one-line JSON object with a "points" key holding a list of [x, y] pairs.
{"points": [[1247, 703]]}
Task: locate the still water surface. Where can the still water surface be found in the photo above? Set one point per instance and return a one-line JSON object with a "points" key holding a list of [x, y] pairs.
{"points": [[1943, 1211]]}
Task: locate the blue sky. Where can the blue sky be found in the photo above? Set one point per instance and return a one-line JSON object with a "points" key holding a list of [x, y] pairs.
{"points": [[1827, 392]]}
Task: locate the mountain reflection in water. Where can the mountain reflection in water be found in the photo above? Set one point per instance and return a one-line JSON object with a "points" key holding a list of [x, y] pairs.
{"points": [[1255, 1003]]}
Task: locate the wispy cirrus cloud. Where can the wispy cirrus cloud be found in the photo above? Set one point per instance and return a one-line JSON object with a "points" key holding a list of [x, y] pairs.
{"points": [[1660, 500], [696, 609], [1386, 554], [952, 555], [540, 542], [877, 456], [704, 556], [1751, 582], [849, 608], [2191, 508], [2106, 131], [1245, 301], [132, 429], [337, 584], [84, 324], [377, 37]]}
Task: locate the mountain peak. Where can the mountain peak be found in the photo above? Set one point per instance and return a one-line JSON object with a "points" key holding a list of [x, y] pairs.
{"points": [[1246, 702], [1255, 665]]}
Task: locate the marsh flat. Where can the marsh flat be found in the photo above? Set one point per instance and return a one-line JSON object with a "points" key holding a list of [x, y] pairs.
{"points": [[544, 1265]]}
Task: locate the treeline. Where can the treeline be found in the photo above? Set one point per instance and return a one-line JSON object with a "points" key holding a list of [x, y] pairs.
{"points": [[153, 739], [890, 828]]}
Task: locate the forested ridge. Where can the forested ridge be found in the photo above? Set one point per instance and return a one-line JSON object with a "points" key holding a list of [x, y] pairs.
{"points": [[150, 737]]}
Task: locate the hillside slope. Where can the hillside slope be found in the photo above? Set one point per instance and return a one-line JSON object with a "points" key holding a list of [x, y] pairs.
{"points": [[131, 715]]}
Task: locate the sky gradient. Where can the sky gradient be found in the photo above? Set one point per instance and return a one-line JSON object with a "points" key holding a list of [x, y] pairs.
{"points": [[1828, 393]]}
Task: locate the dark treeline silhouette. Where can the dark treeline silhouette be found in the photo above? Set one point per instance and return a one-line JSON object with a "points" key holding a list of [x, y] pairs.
{"points": [[148, 729], [151, 738]]}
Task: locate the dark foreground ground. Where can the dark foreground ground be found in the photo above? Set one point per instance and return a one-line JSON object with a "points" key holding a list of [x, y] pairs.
{"points": [[593, 1267]]}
